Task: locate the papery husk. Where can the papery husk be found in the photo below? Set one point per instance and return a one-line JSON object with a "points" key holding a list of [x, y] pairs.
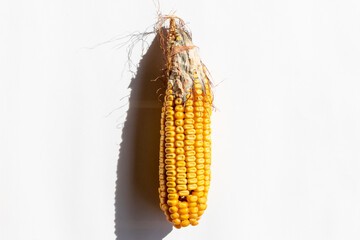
{"points": [[183, 63]]}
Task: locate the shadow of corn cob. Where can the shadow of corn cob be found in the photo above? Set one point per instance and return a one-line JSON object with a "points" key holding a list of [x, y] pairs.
{"points": [[137, 212]]}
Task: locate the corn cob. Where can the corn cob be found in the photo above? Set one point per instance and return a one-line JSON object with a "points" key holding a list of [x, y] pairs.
{"points": [[185, 143]]}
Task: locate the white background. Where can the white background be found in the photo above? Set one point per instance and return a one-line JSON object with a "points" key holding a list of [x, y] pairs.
{"points": [[286, 134]]}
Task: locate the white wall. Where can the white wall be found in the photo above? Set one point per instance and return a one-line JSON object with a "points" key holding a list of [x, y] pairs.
{"points": [[286, 135]]}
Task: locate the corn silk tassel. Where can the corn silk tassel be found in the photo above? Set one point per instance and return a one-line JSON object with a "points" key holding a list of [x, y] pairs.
{"points": [[185, 142]]}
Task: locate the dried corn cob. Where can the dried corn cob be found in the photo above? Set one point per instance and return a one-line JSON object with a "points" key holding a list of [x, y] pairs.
{"points": [[185, 143]]}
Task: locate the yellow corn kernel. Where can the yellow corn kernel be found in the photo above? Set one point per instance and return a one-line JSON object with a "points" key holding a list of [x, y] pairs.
{"points": [[169, 112], [164, 207], [170, 123], [200, 188], [169, 145], [200, 155], [181, 187], [189, 147], [176, 221], [181, 175], [189, 102], [170, 161], [179, 115], [170, 155], [179, 108], [184, 193], [207, 138], [175, 215], [185, 223], [198, 92], [193, 222], [192, 198], [181, 169], [169, 128], [173, 209], [169, 118], [191, 164], [191, 175], [170, 167], [168, 103], [201, 182], [198, 194], [183, 205], [188, 115], [194, 210], [192, 187], [190, 153], [171, 190], [188, 131], [169, 139], [173, 196], [189, 109], [179, 122], [200, 177], [179, 151], [198, 104], [183, 210], [178, 101], [173, 202], [181, 164], [199, 98], [181, 181], [199, 143], [199, 109], [197, 86], [199, 149], [180, 157], [200, 160], [179, 129], [189, 142], [199, 131], [199, 114], [171, 173], [207, 121], [192, 204], [179, 144], [184, 216], [170, 97], [192, 180], [180, 137], [189, 121], [200, 166], [171, 184], [192, 170], [193, 216]]}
